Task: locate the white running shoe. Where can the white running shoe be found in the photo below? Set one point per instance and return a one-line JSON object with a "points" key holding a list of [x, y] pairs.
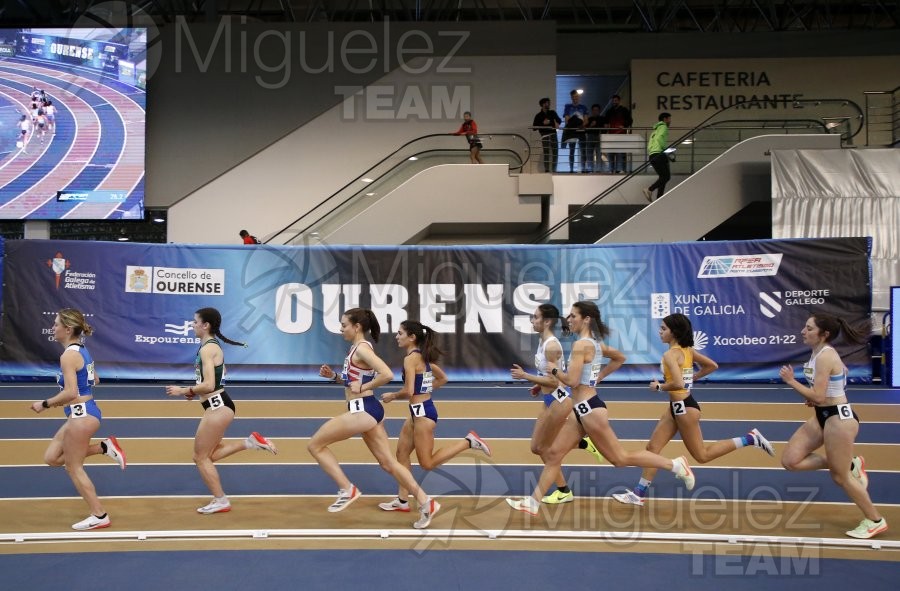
{"points": [[257, 441], [858, 470], [427, 513], [115, 451], [684, 472], [222, 505], [629, 497], [868, 529], [476, 442], [395, 505], [525, 505], [762, 443], [345, 497], [92, 522]]}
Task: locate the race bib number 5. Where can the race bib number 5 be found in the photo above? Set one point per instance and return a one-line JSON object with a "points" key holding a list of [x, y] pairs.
{"points": [[215, 401]]}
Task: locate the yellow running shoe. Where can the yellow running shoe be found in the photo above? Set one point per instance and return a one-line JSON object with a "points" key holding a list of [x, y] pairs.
{"points": [[557, 497], [592, 449]]}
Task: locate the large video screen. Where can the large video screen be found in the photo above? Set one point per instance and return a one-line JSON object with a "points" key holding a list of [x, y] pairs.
{"points": [[72, 123]]}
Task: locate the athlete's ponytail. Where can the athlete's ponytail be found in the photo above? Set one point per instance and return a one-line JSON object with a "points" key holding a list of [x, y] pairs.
{"points": [[425, 339], [366, 319], [214, 319]]}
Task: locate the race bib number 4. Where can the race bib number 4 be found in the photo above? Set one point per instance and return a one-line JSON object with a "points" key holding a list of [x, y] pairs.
{"points": [[561, 394]]}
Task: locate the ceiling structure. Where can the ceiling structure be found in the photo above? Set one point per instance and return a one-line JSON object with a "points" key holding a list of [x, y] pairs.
{"points": [[670, 16]]}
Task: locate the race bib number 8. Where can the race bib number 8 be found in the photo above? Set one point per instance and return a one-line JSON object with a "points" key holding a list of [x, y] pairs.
{"points": [[356, 405], [583, 409], [844, 411], [678, 407], [215, 401], [418, 410], [78, 410]]}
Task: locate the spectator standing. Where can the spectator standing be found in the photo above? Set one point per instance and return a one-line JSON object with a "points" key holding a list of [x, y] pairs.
{"points": [[546, 122], [618, 121], [470, 129], [574, 114], [592, 139]]}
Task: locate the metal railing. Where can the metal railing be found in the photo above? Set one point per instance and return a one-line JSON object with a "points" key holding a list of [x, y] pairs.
{"points": [[393, 170]]}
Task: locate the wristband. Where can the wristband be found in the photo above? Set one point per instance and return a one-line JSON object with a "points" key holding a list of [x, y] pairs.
{"points": [[555, 371], [658, 388], [45, 404], [191, 391]]}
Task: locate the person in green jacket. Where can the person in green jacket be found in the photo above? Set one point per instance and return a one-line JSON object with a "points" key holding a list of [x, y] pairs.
{"points": [[656, 146]]}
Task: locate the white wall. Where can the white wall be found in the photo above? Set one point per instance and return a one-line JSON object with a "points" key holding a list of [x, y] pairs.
{"points": [[280, 183]]}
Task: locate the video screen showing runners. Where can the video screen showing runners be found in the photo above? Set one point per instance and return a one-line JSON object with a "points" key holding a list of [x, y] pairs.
{"points": [[72, 123]]}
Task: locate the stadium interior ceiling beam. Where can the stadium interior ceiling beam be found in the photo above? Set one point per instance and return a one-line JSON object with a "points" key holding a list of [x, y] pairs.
{"points": [[671, 16]]}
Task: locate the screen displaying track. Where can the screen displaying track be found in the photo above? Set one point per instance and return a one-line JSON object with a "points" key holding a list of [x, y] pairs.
{"points": [[72, 123]]}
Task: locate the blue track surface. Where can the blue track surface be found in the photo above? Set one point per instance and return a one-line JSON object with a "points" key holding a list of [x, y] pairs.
{"points": [[492, 480], [446, 428], [437, 571]]}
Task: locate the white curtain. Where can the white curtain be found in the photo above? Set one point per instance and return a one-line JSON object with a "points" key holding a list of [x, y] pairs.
{"points": [[834, 193]]}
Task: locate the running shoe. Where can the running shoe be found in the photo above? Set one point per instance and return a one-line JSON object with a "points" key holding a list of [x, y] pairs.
{"points": [[592, 449], [629, 498], [92, 522], [557, 497], [215, 506], [858, 470], [395, 505], [115, 451], [427, 513], [684, 472], [476, 442], [257, 441], [762, 443], [345, 497], [868, 529], [526, 505]]}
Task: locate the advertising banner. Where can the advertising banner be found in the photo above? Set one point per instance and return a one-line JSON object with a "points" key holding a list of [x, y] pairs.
{"points": [[94, 54], [747, 301]]}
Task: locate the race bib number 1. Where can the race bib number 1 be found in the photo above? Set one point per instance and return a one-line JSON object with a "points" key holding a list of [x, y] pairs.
{"points": [[356, 405]]}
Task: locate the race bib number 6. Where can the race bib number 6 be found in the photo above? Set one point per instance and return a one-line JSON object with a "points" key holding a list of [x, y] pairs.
{"points": [[844, 411]]}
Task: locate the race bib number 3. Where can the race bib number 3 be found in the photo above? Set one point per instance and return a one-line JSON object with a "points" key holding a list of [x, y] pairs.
{"points": [[215, 401], [418, 410], [78, 410]]}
